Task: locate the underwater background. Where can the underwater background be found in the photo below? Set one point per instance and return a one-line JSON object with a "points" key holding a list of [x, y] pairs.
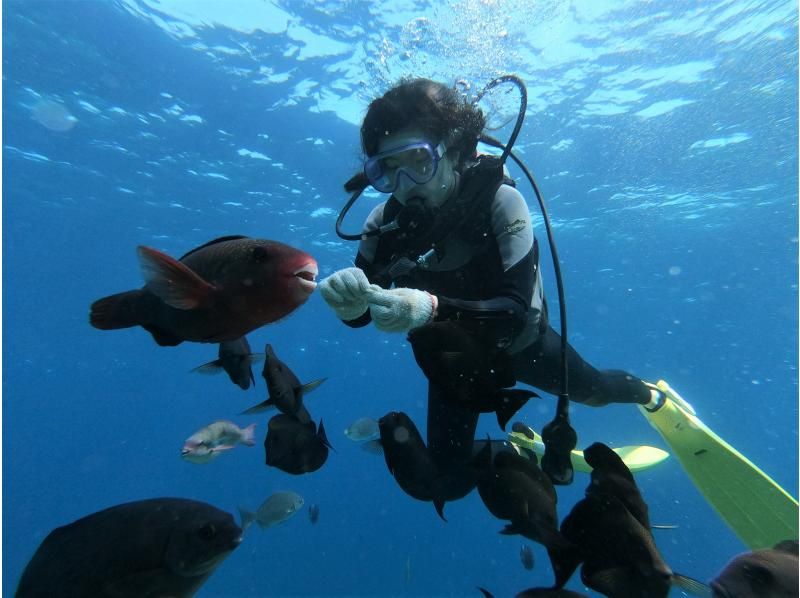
{"points": [[663, 136]]}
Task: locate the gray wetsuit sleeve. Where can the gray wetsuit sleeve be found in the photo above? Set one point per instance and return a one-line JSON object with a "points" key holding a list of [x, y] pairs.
{"points": [[516, 305]]}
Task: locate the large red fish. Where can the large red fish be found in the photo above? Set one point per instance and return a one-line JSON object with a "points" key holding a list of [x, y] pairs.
{"points": [[217, 292]]}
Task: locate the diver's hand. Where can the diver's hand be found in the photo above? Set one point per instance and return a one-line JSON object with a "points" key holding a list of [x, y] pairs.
{"points": [[400, 310], [345, 291]]}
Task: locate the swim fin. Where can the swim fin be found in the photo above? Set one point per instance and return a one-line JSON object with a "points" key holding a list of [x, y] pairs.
{"points": [[756, 508], [635, 457]]}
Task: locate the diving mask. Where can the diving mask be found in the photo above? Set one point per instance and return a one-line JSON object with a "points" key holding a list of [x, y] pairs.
{"points": [[418, 161]]}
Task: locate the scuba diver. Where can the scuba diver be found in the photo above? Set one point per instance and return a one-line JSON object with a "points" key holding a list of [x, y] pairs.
{"points": [[454, 242], [451, 255]]}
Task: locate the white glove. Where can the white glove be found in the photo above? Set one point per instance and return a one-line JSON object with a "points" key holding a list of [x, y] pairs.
{"points": [[345, 291], [400, 310]]}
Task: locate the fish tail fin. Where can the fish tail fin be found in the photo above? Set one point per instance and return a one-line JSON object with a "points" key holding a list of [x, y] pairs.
{"points": [[116, 311], [247, 517], [249, 435]]}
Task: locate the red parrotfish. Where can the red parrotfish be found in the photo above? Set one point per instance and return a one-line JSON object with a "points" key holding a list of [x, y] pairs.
{"points": [[217, 292]]}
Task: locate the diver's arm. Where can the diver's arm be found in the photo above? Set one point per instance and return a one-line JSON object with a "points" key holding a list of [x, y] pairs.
{"points": [[508, 308]]}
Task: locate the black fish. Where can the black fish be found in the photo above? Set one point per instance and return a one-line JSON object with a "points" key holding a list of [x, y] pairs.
{"points": [[540, 593], [768, 573], [515, 488], [235, 358], [283, 389], [467, 372], [217, 292], [526, 557], [313, 513], [409, 461], [155, 547], [610, 475], [619, 555], [295, 447]]}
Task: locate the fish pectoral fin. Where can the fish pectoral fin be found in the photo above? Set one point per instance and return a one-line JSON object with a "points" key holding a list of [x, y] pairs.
{"points": [[313, 385], [212, 367], [173, 282], [263, 406], [222, 447], [691, 585]]}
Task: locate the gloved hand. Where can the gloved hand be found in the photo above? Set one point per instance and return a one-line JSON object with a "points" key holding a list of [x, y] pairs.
{"points": [[345, 291], [400, 310]]}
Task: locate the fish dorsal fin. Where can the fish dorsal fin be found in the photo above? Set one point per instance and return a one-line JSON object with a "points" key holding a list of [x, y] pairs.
{"points": [[789, 546], [214, 242], [174, 283]]}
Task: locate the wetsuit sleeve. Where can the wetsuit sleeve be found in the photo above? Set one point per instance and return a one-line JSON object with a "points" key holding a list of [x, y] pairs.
{"points": [[507, 310], [365, 259]]}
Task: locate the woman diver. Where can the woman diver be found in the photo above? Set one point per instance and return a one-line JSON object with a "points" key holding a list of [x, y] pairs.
{"points": [[454, 243]]}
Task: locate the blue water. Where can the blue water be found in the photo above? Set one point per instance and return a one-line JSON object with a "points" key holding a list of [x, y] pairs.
{"points": [[663, 136]]}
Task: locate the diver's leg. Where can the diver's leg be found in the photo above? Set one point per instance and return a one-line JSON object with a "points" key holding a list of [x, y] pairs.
{"points": [[540, 365], [451, 432]]}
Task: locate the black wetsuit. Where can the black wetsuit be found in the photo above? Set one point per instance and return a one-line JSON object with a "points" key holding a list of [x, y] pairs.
{"points": [[490, 280]]}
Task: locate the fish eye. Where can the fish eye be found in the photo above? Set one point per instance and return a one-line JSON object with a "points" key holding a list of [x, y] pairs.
{"points": [[260, 253], [207, 532]]}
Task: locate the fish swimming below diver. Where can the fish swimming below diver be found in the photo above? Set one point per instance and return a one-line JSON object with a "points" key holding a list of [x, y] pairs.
{"points": [[767, 573], [217, 292], [236, 360], [154, 547], [363, 429], [313, 513], [209, 442], [284, 390], [295, 447], [277, 508], [526, 557]]}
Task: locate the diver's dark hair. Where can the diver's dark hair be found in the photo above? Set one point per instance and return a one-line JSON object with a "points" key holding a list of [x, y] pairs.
{"points": [[439, 111]]}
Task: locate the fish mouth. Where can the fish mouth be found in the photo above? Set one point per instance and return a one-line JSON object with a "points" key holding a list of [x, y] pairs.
{"points": [[306, 276]]}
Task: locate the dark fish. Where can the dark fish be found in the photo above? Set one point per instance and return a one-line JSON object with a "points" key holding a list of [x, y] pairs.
{"points": [[526, 556], [549, 593], [235, 358], [619, 555], [295, 447], [768, 573], [283, 389], [515, 488], [610, 475], [313, 514], [408, 459], [155, 547], [540, 593], [217, 292], [468, 374]]}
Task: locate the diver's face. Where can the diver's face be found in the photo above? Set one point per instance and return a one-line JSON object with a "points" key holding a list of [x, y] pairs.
{"points": [[437, 190]]}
